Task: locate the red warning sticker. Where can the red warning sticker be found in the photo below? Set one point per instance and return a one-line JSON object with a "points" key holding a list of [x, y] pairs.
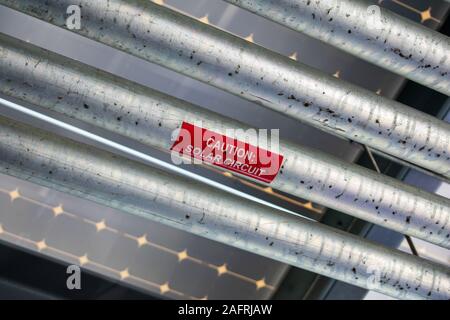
{"points": [[227, 153]]}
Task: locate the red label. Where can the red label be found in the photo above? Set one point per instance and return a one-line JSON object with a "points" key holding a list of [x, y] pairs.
{"points": [[227, 153]]}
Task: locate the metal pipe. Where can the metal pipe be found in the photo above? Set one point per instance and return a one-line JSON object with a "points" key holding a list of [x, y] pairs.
{"points": [[205, 53], [133, 153], [132, 187], [60, 84], [366, 31]]}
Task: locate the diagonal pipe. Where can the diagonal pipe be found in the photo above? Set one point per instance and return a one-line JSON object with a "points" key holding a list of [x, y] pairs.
{"points": [[366, 31], [163, 36], [89, 173]]}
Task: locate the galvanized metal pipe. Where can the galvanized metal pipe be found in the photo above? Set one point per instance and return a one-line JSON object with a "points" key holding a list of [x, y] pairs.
{"points": [[370, 32], [60, 84], [132, 187], [183, 44]]}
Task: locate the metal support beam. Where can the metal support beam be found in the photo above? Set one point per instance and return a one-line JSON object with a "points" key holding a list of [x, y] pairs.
{"points": [[132, 187], [60, 84], [186, 45], [366, 31]]}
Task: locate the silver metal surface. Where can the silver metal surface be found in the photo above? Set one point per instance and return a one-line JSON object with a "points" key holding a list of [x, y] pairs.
{"points": [[84, 171], [43, 78], [366, 31], [183, 44]]}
